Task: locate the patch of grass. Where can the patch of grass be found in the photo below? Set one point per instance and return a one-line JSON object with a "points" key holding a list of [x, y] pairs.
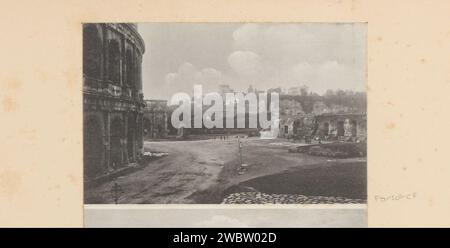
{"points": [[333, 179], [335, 150]]}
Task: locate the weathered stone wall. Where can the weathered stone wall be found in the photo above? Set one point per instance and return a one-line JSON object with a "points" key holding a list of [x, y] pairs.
{"points": [[156, 114], [112, 96], [291, 117], [342, 125]]}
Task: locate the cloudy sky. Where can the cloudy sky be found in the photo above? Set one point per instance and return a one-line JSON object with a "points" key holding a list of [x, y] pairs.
{"points": [[320, 56]]}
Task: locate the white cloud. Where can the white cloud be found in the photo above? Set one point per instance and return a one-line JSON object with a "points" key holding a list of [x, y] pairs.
{"points": [[302, 42], [327, 75], [245, 36], [188, 75], [320, 56], [245, 63]]}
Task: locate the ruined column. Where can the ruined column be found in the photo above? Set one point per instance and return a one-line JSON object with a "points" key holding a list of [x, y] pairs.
{"points": [[105, 56]]}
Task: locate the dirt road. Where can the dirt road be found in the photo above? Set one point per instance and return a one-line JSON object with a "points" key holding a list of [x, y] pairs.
{"points": [[202, 171]]}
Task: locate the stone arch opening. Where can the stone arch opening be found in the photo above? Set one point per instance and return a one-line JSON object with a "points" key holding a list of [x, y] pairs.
{"points": [[147, 126], [92, 147], [354, 127], [296, 127], [326, 129], [116, 140], [129, 70], [159, 131], [139, 135], [92, 51], [114, 61], [131, 137], [340, 128]]}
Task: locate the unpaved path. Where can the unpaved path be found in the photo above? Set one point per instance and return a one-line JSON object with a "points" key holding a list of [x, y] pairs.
{"points": [[190, 166], [200, 171]]}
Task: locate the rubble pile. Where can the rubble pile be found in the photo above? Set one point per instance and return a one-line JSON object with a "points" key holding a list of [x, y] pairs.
{"points": [[263, 198]]}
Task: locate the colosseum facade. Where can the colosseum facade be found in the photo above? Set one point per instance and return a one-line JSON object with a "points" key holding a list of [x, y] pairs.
{"points": [[112, 97]]}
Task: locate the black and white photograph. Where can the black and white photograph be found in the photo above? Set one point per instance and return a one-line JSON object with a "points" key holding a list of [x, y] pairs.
{"points": [[225, 113], [233, 123]]}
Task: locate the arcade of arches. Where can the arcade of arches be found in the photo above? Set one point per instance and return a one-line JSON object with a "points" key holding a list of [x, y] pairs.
{"points": [[112, 97], [156, 119], [352, 126]]}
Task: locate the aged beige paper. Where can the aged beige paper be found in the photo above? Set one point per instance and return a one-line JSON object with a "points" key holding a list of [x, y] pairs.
{"points": [[41, 173]]}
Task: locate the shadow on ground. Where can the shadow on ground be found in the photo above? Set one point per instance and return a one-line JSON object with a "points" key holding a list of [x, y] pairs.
{"points": [[335, 179]]}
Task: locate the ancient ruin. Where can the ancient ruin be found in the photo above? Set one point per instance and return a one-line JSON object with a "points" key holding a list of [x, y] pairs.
{"points": [[156, 118], [112, 96]]}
